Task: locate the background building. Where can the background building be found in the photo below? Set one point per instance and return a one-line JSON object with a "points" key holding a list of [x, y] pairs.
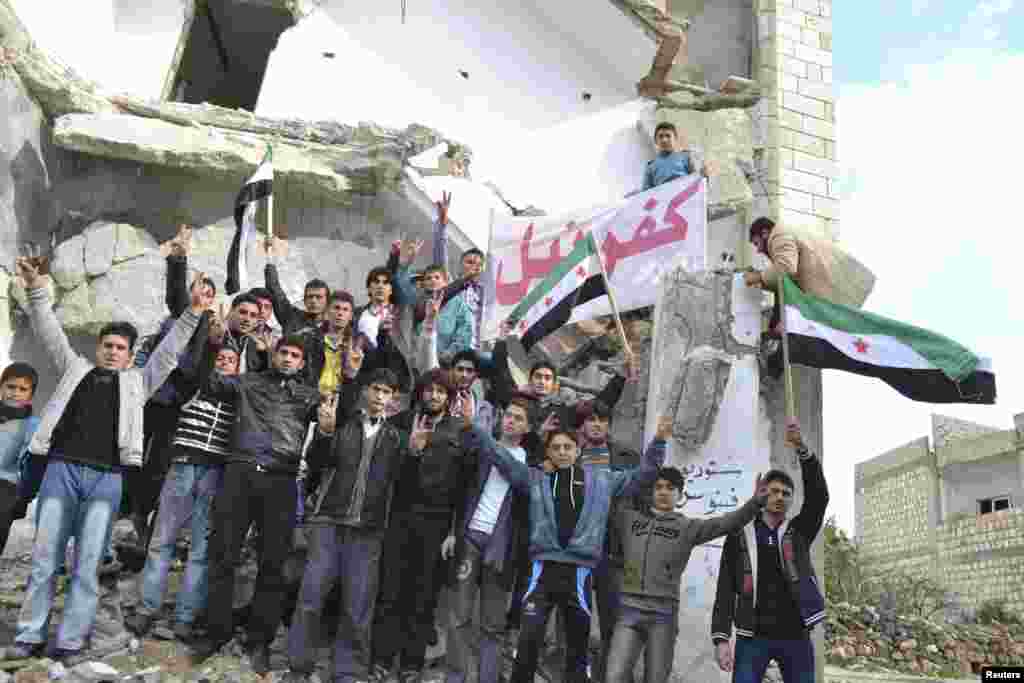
{"points": [[951, 508]]}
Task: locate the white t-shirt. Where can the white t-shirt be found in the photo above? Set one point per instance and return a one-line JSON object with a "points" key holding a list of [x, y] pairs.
{"points": [[495, 489], [369, 324]]}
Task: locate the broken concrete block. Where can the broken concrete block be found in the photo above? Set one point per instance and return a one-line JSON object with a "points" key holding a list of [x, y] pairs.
{"points": [[132, 242], [132, 291], [100, 239], [67, 265], [95, 671], [75, 309]]}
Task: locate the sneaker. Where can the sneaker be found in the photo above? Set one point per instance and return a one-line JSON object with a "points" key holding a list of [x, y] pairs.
{"points": [[379, 673], [259, 656], [295, 677], [22, 651], [110, 567], [204, 649], [62, 655], [183, 631], [139, 624], [409, 676]]}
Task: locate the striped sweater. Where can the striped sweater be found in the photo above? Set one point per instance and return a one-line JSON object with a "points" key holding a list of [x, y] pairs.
{"points": [[204, 424]]}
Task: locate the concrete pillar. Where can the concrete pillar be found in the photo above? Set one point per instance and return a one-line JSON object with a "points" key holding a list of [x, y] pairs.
{"points": [[704, 360], [796, 126], [6, 331]]}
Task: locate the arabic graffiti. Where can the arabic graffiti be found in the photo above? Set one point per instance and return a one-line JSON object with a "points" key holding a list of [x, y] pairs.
{"points": [[646, 237], [704, 492]]}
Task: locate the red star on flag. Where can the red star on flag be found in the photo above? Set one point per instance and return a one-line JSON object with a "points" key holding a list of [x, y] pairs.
{"points": [[522, 326], [861, 346], [548, 300], [581, 271]]}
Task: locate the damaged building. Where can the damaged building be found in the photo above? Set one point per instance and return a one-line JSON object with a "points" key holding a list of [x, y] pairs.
{"points": [[124, 119]]}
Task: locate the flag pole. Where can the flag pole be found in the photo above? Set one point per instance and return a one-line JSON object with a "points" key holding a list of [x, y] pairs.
{"points": [[488, 274], [786, 367], [270, 202], [611, 296]]}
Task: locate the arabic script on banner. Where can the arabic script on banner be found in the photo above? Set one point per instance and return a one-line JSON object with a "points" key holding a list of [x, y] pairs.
{"points": [[638, 239]]}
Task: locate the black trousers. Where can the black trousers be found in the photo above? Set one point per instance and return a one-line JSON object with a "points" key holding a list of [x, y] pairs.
{"points": [[567, 588], [408, 586], [145, 484], [607, 581], [8, 503], [266, 499], [522, 580]]}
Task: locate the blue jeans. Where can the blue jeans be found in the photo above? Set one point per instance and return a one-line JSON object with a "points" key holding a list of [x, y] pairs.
{"points": [[795, 659], [186, 496], [74, 500]]}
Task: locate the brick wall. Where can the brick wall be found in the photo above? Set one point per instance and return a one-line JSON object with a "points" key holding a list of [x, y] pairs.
{"points": [[794, 66], [895, 515], [980, 557]]}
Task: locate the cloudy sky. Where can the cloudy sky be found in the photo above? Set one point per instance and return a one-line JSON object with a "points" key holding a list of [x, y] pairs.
{"points": [[930, 143]]}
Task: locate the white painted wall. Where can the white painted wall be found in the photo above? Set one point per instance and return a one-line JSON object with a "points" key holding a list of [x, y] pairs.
{"points": [[521, 109], [123, 46]]}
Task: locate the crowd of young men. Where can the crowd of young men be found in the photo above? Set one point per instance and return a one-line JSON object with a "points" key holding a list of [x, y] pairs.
{"points": [[396, 450]]}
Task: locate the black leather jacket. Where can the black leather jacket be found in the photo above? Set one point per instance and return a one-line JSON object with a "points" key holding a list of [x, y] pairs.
{"points": [[274, 411], [340, 496]]}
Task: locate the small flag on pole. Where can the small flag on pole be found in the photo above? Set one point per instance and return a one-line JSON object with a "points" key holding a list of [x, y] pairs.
{"points": [[259, 186], [549, 304]]}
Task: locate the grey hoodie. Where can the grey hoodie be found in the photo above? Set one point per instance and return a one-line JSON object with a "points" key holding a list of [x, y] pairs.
{"points": [[657, 547]]}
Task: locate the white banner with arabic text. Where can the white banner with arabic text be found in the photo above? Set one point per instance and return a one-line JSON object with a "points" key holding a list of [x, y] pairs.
{"points": [[639, 238]]}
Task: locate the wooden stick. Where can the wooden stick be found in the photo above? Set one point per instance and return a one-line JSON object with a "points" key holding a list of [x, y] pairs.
{"points": [[489, 288], [786, 368], [269, 217], [270, 211], [611, 297]]}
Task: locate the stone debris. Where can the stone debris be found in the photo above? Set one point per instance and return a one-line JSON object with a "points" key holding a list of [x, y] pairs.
{"points": [[857, 639], [95, 671]]}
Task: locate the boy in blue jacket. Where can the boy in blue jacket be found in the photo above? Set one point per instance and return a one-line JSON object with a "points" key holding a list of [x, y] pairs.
{"points": [[17, 425], [569, 508]]}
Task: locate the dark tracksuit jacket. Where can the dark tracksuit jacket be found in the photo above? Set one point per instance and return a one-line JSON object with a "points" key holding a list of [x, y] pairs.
{"points": [[736, 595]]}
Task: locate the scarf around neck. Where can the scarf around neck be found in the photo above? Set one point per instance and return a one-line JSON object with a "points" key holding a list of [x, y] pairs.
{"points": [[9, 412]]}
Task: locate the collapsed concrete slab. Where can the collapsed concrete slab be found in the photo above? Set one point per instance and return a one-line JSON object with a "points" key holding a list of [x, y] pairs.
{"points": [[364, 165]]}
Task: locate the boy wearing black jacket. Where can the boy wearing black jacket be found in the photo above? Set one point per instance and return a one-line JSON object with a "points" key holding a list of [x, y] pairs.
{"points": [[360, 454], [766, 584]]}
